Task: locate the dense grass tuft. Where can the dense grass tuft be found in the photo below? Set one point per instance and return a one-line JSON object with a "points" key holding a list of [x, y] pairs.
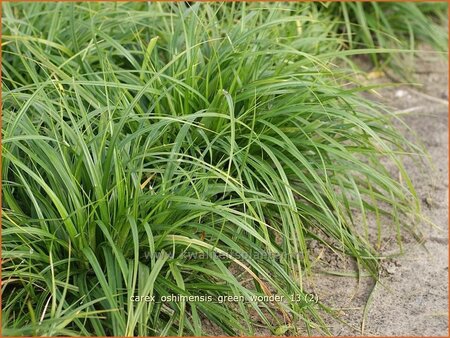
{"points": [[138, 136], [400, 25]]}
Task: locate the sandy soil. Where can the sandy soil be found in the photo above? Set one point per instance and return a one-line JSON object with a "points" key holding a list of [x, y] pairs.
{"points": [[411, 297]]}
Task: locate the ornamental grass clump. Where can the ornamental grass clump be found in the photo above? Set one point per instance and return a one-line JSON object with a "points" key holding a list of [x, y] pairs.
{"points": [[155, 149], [405, 26]]}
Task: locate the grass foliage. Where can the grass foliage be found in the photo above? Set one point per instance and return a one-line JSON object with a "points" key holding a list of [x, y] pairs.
{"points": [[138, 137], [400, 25]]}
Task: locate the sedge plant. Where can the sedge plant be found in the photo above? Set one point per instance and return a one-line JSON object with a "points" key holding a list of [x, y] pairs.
{"points": [[157, 149], [406, 26]]}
